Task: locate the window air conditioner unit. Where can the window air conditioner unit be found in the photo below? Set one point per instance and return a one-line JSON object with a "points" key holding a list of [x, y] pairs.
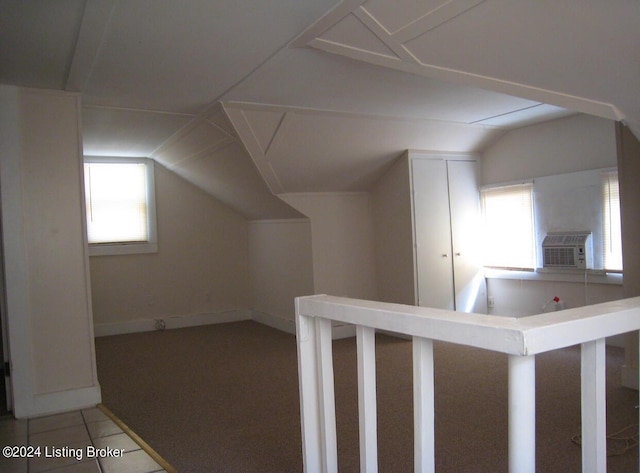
{"points": [[567, 250]]}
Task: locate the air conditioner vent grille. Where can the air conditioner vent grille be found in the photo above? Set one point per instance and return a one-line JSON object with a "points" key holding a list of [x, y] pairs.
{"points": [[559, 257], [567, 250], [565, 239]]}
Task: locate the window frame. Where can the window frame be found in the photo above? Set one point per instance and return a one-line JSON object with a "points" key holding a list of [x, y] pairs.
{"points": [[611, 231], [136, 247], [502, 187]]}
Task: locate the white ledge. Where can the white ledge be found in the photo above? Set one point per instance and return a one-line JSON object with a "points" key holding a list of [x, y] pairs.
{"points": [[589, 276], [516, 336]]}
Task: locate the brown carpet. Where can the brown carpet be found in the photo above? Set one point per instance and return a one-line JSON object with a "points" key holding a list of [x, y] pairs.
{"points": [[224, 398]]}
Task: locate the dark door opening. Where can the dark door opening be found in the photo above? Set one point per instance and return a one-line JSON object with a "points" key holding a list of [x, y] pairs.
{"points": [[5, 397]]}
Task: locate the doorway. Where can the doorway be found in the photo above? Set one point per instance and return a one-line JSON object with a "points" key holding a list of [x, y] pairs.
{"points": [[5, 385]]}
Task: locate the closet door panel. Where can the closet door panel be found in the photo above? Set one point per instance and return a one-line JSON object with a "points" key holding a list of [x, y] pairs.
{"points": [[464, 203], [432, 227]]}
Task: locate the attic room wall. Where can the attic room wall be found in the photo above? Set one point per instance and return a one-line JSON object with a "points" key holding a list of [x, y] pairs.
{"points": [[281, 269], [393, 223], [629, 170], [570, 144], [199, 275], [566, 145], [48, 301], [342, 242]]}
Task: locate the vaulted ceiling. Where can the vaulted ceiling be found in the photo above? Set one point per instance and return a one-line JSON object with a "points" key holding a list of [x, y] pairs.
{"points": [[252, 99]]}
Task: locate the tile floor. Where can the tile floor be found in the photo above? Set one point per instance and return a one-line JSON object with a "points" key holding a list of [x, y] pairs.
{"points": [[85, 441]]}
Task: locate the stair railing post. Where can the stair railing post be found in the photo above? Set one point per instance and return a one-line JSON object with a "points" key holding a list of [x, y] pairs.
{"points": [[522, 414]]}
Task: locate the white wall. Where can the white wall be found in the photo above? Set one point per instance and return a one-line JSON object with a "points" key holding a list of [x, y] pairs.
{"points": [[518, 297], [281, 269], [342, 242], [199, 275], [570, 202], [393, 224], [629, 170], [46, 264], [568, 145]]}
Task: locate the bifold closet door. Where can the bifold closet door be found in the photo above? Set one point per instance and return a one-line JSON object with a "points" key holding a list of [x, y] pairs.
{"points": [[432, 227], [464, 205]]}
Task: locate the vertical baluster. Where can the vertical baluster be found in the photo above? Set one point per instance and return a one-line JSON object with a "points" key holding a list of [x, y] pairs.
{"points": [[317, 402], [594, 415], [324, 347], [423, 402], [366, 343], [522, 414], [308, 385]]}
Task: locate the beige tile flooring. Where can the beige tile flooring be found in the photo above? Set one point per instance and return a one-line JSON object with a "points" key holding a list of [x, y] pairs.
{"points": [[86, 441]]}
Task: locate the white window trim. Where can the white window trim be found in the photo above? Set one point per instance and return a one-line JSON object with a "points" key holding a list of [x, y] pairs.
{"points": [[522, 183], [607, 229], [598, 275], [500, 185], [130, 248]]}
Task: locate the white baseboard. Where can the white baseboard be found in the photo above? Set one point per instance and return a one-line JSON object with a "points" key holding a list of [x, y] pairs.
{"points": [[274, 321], [149, 325], [289, 325], [343, 331], [58, 402]]}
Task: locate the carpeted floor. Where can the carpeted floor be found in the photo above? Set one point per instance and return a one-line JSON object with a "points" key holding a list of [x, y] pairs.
{"points": [[224, 398]]}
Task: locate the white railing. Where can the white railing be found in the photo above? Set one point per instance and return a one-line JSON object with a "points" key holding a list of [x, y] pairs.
{"points": [[520, 338]]}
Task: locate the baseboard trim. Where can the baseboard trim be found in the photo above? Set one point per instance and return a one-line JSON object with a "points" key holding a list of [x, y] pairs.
{"points": [[289, 325], [339, 331], [171, 322], [166, 323], [58, 402], [274, 321]]}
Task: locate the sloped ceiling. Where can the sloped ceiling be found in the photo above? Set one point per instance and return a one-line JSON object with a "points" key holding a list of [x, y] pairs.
{"points": [[208, 153], [249, 100], [581, 55], [309, 151]]}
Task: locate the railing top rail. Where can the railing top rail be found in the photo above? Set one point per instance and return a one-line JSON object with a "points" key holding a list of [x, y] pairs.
{"points": [[517, 336]]}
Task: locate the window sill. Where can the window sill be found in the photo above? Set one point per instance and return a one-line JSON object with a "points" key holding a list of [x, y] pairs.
{"points": [[123, 249], [591, 276]]}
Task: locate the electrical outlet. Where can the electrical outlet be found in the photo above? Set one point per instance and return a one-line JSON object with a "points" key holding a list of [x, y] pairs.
{"points": [[490, 302]]}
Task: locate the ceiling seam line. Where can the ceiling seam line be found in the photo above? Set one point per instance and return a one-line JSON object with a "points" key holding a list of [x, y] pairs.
{"points": [[137, 110]]}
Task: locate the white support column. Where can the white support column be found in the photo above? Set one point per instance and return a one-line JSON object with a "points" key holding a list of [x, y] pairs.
{"points": [[366, 343], [324, 358], [317, 402], [522, 414], [594, 407], [423, 406], [308, 385]]}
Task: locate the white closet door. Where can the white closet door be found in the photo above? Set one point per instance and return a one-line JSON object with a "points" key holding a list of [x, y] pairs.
{"points": [[432, 226], [464, 203]]}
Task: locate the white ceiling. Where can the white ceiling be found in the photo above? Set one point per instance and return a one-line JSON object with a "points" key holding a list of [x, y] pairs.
{"points": [[252, 99]]}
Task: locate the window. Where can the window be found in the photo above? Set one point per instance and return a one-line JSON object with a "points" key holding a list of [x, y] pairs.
{"points": [[120, 205], [611, 230], [509, 231]]}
